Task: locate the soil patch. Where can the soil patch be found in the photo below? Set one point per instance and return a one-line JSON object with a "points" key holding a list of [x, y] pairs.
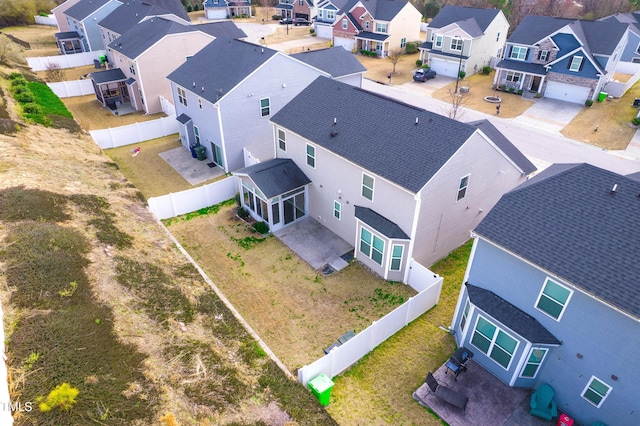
{"points": [[92, 116]]}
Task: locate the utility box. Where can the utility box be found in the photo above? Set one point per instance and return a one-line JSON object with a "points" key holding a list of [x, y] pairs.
{"points": [[201, 152], [321, 387]]}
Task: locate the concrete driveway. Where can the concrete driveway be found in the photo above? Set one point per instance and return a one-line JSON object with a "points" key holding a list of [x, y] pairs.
{"points": [[255, 32], [552, 113]]}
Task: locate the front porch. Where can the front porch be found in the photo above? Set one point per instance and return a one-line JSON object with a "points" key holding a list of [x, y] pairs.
{"points": [[373, 42], [491, 402]]}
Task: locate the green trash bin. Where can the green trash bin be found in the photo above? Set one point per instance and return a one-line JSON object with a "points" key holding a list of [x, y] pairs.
{"points": [[201, 152], [321, 387], [602, 96]]}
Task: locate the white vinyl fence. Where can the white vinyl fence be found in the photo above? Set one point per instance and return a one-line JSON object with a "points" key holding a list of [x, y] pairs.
{"points": [[167, 107], [68, 89], [134, 133], [618, 88], [65, 61], [176, 204], [46, 20], [5, 403], [344, 356]]}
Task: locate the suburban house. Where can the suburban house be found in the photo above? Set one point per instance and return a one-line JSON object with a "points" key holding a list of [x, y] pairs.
{"points": [[144, 55], [399, 183], [569, 60], [465, 39], [551, 294], [376, 25], [61, 19], [326, 16], [337, 62], [225, 105], [296, 9], [133, 12], [223, 9], [82, 19]]}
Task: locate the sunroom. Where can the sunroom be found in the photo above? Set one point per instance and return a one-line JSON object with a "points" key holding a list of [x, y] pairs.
{"points": [[274, 192]]}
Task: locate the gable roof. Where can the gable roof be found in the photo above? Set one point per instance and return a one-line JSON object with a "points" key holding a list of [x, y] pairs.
{"points": [[514, 318], [335, 61], [85, 8], [383, 10], [376, 133], [148, 32], [134, 11], [569, 222], [275, 177], [505, 146], [450, 14], [235, 60]]}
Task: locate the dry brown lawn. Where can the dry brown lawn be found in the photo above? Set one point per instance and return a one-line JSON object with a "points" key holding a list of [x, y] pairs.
{"points": [[70, 73], [92, 116], [295, 309], [40, 36], [280, 35], [480, 85], [378, 68], [611, 118]]}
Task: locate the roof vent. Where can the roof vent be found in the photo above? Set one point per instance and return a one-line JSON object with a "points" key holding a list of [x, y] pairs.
{"points": [[262, 50], [416, 121], [334, 134], [202, 88], [194, 84], [335, 121], [615, 187]]}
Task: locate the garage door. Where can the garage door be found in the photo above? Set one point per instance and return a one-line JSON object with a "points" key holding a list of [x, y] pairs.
{"points": [[347, 43], [566, 92], [447, 68], [324, 31], [217, 13]]}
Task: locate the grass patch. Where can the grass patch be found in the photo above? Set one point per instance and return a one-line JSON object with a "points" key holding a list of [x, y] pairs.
{"points": [[106, 230], [202, 212], [20, 203], [48, 101]]}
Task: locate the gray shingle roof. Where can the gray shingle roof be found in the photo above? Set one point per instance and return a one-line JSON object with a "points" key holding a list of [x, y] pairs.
{"points": [[514, 318], [275, 177], [183, 118], [527, 67], [568, 221], [377, 133], [380, 223], [220, 29], [115, 74], [535, 28], [235, 60], [471, 27], [383, 10], [335, 61], [368, 35], [85, 8], [505, 146], [133, 11], [450, 14], [67, 35]]}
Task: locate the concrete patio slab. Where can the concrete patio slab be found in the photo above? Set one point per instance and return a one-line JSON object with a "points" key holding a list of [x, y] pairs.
{"points": [[491, 402], [192, 170], [314, 243]]}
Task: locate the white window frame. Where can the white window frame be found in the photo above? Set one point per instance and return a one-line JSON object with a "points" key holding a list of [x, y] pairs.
{"points": [[196, 134], [544, 55], [319, 13], [513, 76], [371, 245], [464, 319], [182, 95], [463, 186], [492, 343], [331, 14], [132, 68], [398, 259], [311, 156], [576, 63], [367, 25], [537, 364], [403, 42], [541, 294], [282, 140], [438, 42], [200, 103], [363, 186], [345, 24], [518, 56], [588, 387], [382, 27], [337, 209], [457, 44], [265, 111]]}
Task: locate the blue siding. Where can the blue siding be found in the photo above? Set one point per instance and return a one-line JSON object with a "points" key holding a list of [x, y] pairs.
{"points": [[566, 43], [631, 49], [606, 340], [588, 70]]}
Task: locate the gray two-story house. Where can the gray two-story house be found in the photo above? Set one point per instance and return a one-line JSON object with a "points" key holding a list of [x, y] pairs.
{"points": [[327, 10], [569, 60], [82, 20], [551, 294], [398, 183]]}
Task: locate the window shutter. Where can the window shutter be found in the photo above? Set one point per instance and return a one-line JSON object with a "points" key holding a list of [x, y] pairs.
{"points": [[581, 64], [569, 62], [510, 50], [539, 54]]}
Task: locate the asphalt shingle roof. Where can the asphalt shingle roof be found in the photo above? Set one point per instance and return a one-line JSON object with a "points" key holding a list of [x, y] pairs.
{"points": [[275, 177], [84, 8], [522, 66], [505, 145], [380, 223], [514, 318], [235, 60], [569, 221], [134, 11], [450, 14], [336, 61], [383, 10], [67, 35], [374, 132], [115, 74]]}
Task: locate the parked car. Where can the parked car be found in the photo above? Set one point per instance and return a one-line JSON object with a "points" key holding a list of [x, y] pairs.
{"points": [[286, 21], [301, 21], [423, 74]]}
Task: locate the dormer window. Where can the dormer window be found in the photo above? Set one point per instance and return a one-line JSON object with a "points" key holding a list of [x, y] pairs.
{"points": [[519, 53]]}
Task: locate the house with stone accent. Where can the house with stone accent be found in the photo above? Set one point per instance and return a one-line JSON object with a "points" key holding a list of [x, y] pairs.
{"points": [[376, 26], [410, 194], [292, 9], [464, 39], [565, 59], [551, 294], [223, 9], [326, 16]]}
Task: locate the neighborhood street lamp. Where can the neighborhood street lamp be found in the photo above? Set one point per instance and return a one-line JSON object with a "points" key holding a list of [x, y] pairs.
{"points": [[459, 63]]}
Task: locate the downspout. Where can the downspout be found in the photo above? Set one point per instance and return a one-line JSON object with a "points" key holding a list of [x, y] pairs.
{"points": [[223, 145], [412, 239]]}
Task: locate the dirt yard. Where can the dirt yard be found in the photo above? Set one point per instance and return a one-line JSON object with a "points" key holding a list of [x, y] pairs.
{"points": [[70, 73], [378, 69], [92, 116]]}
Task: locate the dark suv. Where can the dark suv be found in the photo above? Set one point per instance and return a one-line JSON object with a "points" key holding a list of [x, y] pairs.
{"points": [[300, 21], [423, 74], [286, 21]]}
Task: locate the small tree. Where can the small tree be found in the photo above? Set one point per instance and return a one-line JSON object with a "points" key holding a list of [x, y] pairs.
{"points": [[394, 56], [454, 110], [54, 72]]}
